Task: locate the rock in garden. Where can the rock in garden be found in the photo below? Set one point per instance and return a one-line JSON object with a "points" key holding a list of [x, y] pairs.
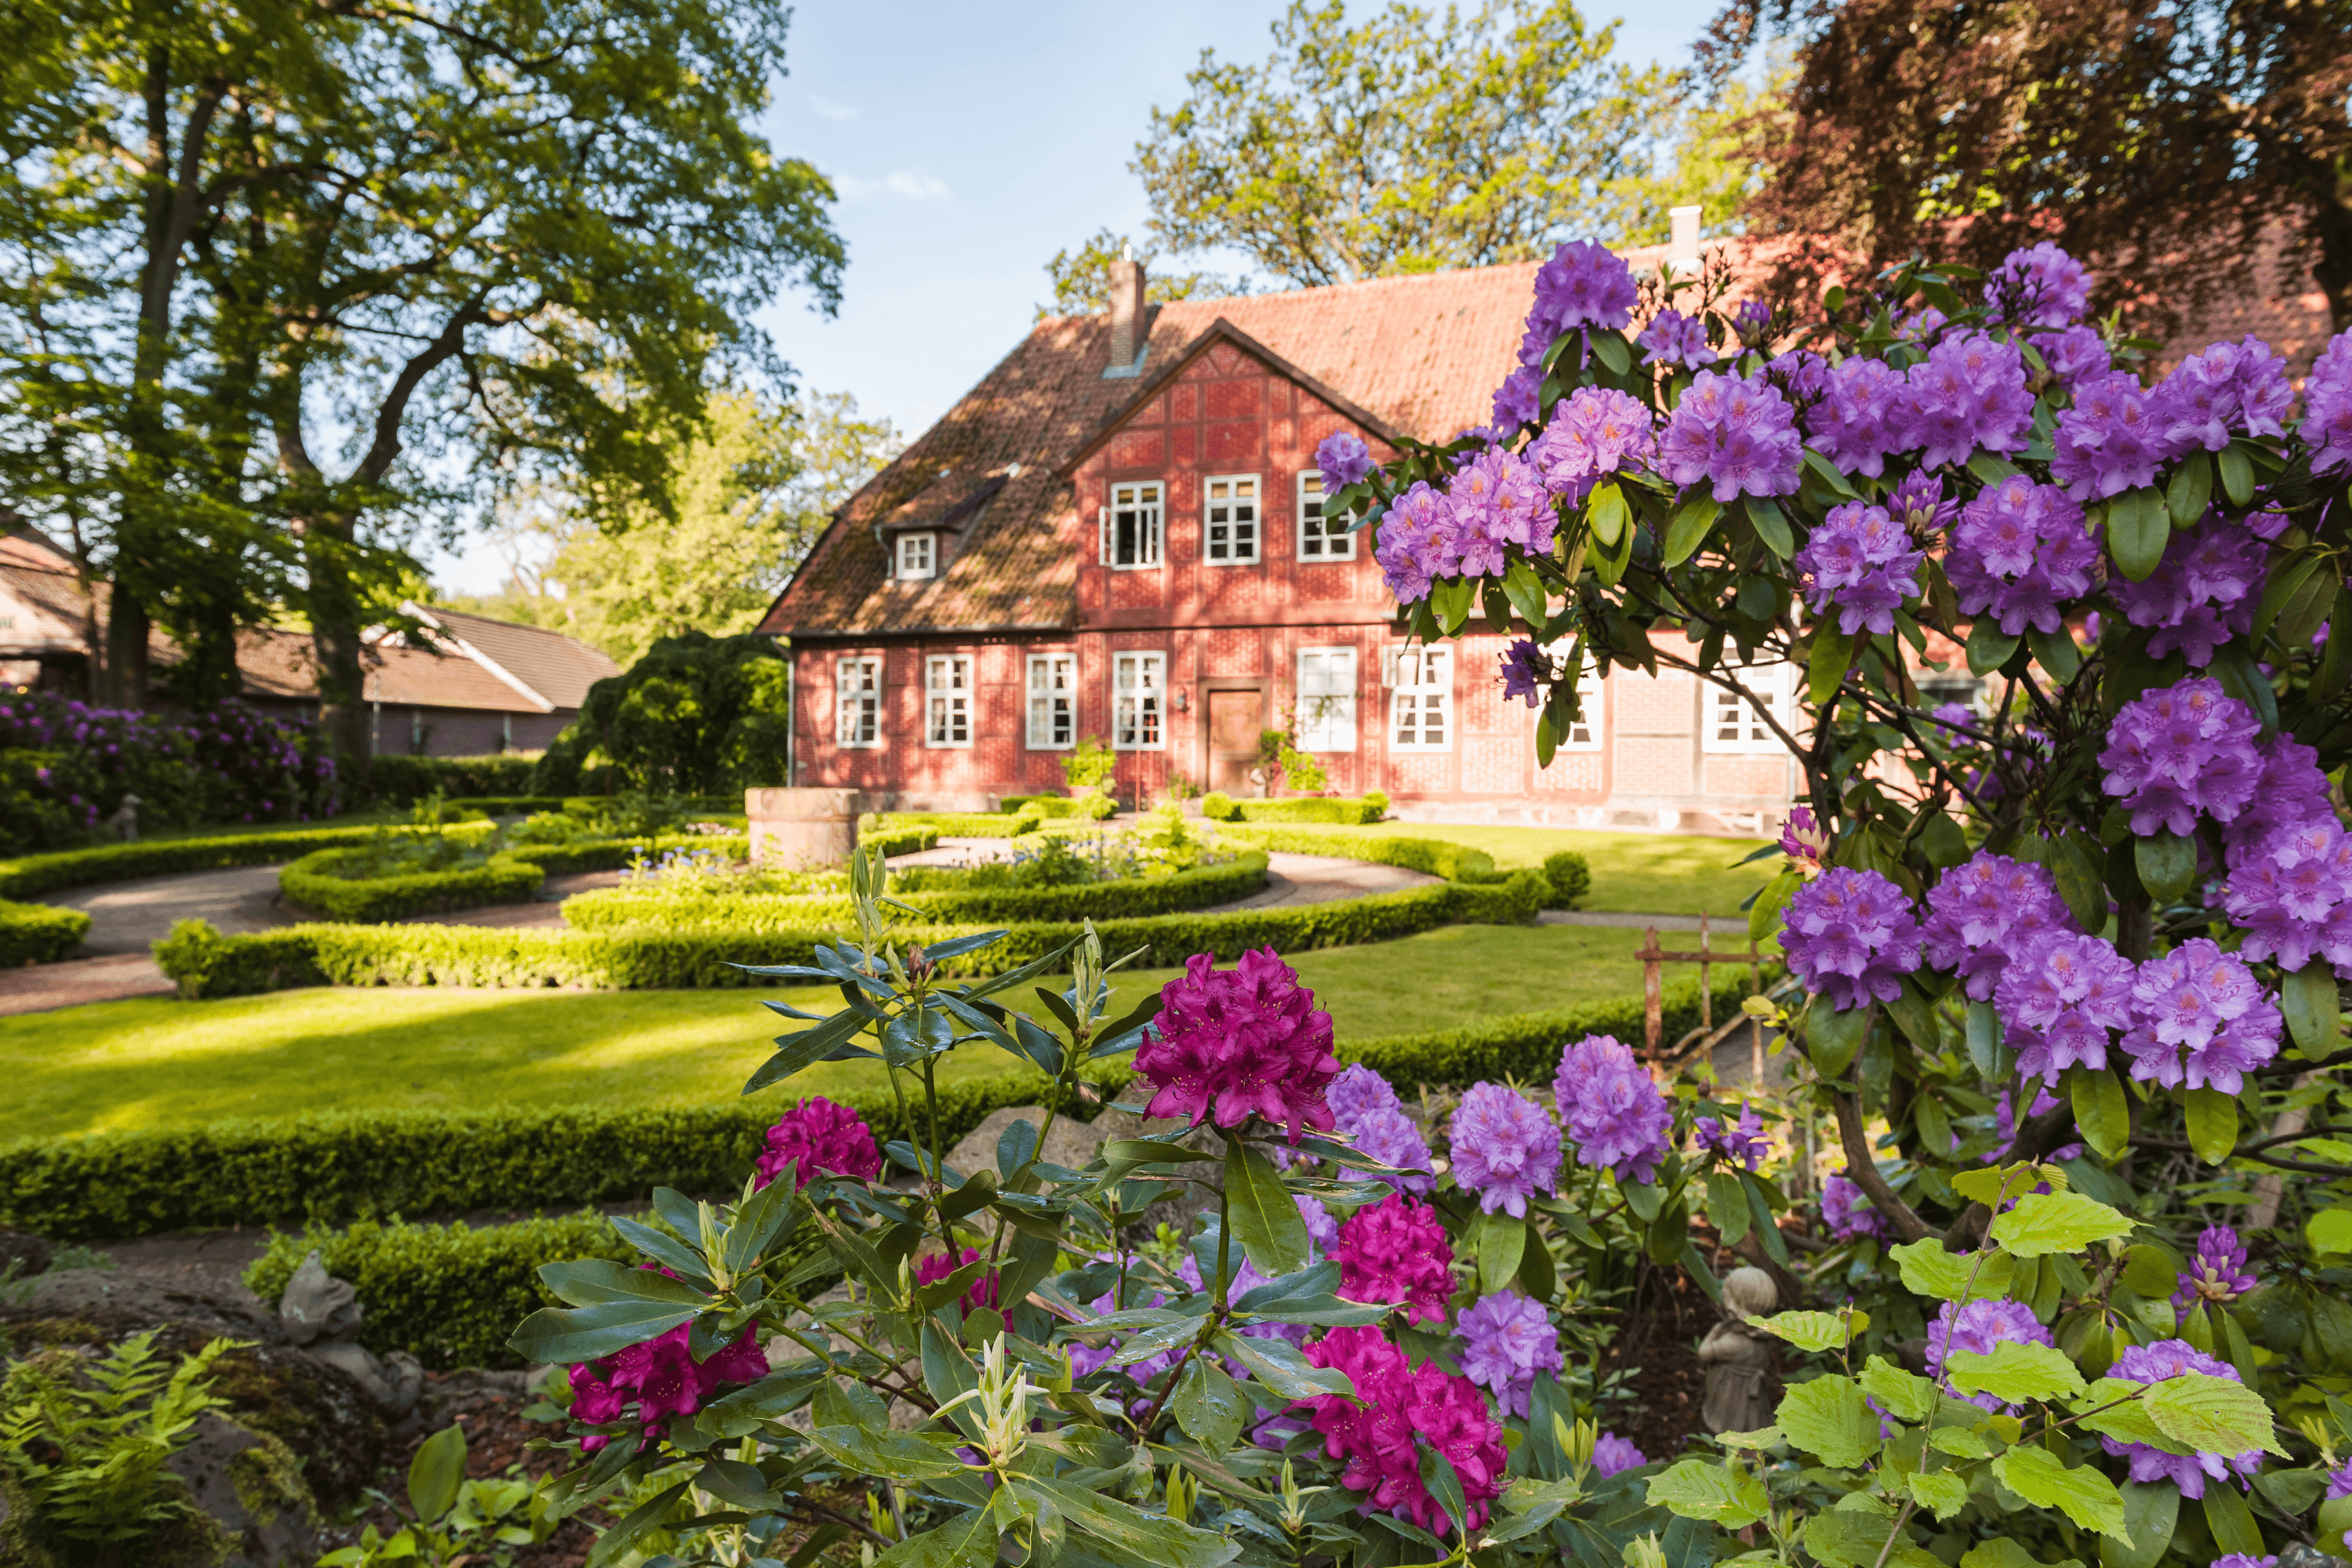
{"points": [[252, 1486], [30, 1254]]}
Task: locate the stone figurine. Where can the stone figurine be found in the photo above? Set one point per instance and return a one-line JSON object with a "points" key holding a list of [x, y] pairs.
{"points": [[1740, 1361], [124, 821], [321, 1314]]}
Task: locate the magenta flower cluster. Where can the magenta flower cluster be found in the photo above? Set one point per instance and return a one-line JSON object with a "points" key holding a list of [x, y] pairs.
{"points": [[2203, 1021], [2201, 594], [1508, 1338], [1851, 937], [2291, 892], [1861, 562], [661, 1378], [2189, 1472], [983, 1292], [1398, 1410], [1613, 1111], [816, 1135], [2062, 999], [1230, 1045], [1737, 433], [2017, 551], [2180, 751], [1863, 415], [1504, 1148], [1396, 1252], [1984, 912], [2217, 1271]]}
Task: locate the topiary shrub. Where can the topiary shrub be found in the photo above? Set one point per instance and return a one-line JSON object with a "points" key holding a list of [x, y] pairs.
{"points": [[1219, 806], [1570, 875]]}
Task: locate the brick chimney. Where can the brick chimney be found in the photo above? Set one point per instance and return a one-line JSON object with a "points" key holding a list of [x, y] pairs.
{"points": [[1683, 239], [1126, 316]]}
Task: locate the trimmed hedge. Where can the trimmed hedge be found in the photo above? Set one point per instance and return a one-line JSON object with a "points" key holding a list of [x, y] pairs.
{"points": [[36, 874], [1221, 807], [1049, 807], [311, 883], [337, 1167], [900, 841], [1570, 877], [206, 963], [954, 823], [400, 780], [1527, 1045], [451, 1294], [39, 933], [613, 854], [1454, 862], [608, 909]]}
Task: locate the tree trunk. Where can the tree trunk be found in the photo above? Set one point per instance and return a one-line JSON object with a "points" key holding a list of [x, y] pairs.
{"points": [[124, 678], [2330, 228], [335, 645]]}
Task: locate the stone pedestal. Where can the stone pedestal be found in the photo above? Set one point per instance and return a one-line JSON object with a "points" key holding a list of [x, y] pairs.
{"points": [[802, 829]]}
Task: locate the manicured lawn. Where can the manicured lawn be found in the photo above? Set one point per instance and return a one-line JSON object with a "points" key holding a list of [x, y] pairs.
{"points": [[153, 1063], [1648, 873]]}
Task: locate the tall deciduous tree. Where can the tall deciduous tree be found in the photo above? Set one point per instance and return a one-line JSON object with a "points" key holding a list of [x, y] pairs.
{"points": [[2167, 135], [1410, 142]]}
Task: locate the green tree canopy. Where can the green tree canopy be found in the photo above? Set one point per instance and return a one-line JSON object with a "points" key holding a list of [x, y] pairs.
{"points": [[697, 715]]}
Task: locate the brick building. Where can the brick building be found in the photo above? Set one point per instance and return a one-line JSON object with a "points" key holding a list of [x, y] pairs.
{"points": [[1116, 533]]}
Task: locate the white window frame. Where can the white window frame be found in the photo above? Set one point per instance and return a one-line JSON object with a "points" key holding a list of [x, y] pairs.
{"points": [[1139, 700], [1327, 698], [947, 701], [1720, 710], [1421, 680], [1243, 526], [1148, 498], [904, 563], [1314, 542], [857, 701], [1584, 735], [1052, 700]]}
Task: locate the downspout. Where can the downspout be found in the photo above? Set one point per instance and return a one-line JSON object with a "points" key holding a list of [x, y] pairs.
{"points": [[792, 718]]}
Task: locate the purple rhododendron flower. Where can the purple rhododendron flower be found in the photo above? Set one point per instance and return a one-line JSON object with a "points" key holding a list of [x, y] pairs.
{"points": [[1859, 560], [1977, 1328], [1356, 1091], [1419, 540], [2328, 407], [1515, 400], [1968, 395], [2201, 594], [1804, 842], [1919, 504], [2339, 1482], [2245, 1560], [1510, 1338], [1526, 672], [2179, 751], [1615, 1114], [1394, 1140], [2039, 285], [1847, 1215], [1398, 1410], [1801, 373], [2203, 1020], [1986, 909], [1504, 1148], [1864, 413], [2221, 392], [1583, 285], [1322, 1230], [1344, 460], [818, 1135], [2291, 891], [2216, 1273], [1740, 1142], [2154, 1363], [2076, 355], [1677, 339], [1228, 1045], [2112, 440], [1851, 936], [1738, 432], [2292, 793], [1499, 500], [2017, 551], [2060, 999], [1396, 1252], [1612, 1454], [1594, 431]]}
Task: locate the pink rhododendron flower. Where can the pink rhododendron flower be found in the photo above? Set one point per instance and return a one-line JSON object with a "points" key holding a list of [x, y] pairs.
{"points": [[818, 1135], [1232, 1043], [1403, 1408], [1396, 1252]]}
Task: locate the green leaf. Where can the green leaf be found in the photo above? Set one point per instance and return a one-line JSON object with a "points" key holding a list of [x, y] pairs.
{"points": [[1812, 1330], [1209, 1405], [1915, 1017], [2085, 1495], [2237, 474], [2151, 1509], [2137, 531], [2014, 1373], [1724, 1494], [1929, 1271], [436, 1474], [2078, 869], [2191, 488], [1614, 352], [1829, 1417], [1277, 1364], [2307, 997], [811, 1045], [1500, 1241], [1607, 513], [1764, 914], [2330, 1230], [2002, 1553], [2167, 863], [1771, 526], [1833, 653], [2212, 1124], [2055, 652], [576, 1334], [1989, 648], [1994, 1184], [1154, 1540], [1687, 528], [894, 1456], [1906, 1393], [2212, 1415], [1265, 1218], [1852, 1534], [1445, 1486], [1940, 1491], [2044, 1223], [1727, 1206], [2231, 1522], [2114, 1408], [1832, 1038], [2101, 1112], [614, 1543], [966, 1541]]}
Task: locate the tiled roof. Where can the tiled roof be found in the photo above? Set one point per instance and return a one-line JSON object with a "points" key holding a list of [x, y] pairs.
{"points": [[557, 668]]}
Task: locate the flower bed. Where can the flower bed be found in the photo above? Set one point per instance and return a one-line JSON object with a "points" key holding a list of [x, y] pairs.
{"points": [[39, 933], [1219, 806], [323, 884]]}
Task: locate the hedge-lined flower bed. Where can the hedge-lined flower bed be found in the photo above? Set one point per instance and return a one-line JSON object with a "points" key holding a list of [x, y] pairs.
{"points": [[1454, 862], [206, 963], [953, 824], [317, 883], [38, 933], [608, 909], [1219, 806]]}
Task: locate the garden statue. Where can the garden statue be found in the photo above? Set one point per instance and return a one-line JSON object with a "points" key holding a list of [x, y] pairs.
{"points": [[322, 1315], [123, 822], [1739, 1359]]}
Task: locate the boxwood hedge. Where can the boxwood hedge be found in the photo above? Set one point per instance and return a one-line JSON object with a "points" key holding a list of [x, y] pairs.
{"points": [[315, 883], [33, 875], [1221, 807], [38, 933], [954, 823], [1454, 862]]}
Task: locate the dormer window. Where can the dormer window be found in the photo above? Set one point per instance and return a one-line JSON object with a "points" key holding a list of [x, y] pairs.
{"points": [[918, 555]]}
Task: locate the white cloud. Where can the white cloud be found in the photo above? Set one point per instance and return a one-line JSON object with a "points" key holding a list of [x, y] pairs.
{"points": [[831, 109], [905, 183]]}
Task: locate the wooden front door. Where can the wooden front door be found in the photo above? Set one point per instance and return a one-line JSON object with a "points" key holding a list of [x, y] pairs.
{"points": [[1234, 719]]}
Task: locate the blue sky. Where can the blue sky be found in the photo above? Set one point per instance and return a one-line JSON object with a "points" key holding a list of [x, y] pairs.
{"points": [[968, 142]]}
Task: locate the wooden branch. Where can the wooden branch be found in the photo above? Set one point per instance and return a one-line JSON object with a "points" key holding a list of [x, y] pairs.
{"points": [[1862, 1168], [2035, 1138]]}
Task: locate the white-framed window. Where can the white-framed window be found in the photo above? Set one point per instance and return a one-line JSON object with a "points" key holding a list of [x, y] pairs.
{"points": [[1421, 704], [1229, 519], [1131, 525], [1584, 735], [1731, 722], [1320, 538], [857, 701], [918, 555], [1139, 702], [1326, 699], [1053, 701], [947, 699]]}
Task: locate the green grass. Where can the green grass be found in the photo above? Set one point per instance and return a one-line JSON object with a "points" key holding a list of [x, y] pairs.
{"points": [[1643, 873], [151, 1063]]}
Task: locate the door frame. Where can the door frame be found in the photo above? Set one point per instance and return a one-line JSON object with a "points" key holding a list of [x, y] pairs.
{"points": [[1260, 684]]}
